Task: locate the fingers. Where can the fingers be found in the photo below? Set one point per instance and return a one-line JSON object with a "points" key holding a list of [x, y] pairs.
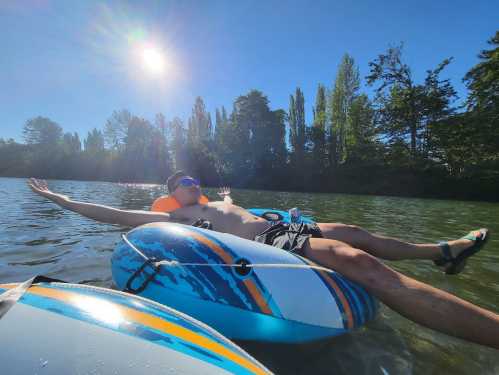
{"points": [[33, 184], [223, 191], [42, 184], [37, 185]]}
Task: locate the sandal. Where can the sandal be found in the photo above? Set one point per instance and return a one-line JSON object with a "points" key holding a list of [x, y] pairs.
{"points": [[454, 265]]}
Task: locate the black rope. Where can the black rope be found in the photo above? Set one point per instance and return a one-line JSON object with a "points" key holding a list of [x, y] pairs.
{"points": [[149, 277], [147, 262]]}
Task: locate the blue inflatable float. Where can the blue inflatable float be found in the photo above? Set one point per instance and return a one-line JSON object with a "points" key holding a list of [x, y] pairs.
{"points": [[59, 328], [244, 289]]}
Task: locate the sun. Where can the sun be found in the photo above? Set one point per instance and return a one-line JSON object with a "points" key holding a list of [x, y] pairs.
{"points": [[153, 60]]}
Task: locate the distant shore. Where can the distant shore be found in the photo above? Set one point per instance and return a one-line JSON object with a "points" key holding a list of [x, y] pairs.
{"points": [[455, 190]]}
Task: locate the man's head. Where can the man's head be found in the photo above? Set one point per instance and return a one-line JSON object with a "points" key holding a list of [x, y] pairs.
{"points": [[183, 188]]}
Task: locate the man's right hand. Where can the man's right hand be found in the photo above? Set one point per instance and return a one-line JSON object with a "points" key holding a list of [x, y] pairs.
{"points": [[224, 193], [40, 187]]}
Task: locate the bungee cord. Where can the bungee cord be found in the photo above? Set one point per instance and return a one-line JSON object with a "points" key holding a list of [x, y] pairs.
{"points": [[242, 265]]}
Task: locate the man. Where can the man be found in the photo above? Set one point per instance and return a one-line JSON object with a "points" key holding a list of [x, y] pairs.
{"points": [[348, 250]]}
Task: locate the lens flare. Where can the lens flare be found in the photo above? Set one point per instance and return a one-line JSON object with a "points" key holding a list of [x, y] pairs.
{"points": [[153, 60]]}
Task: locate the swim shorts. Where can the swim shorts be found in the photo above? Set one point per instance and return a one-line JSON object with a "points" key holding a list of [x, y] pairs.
{"points": [[202, 223], [290, 237]]}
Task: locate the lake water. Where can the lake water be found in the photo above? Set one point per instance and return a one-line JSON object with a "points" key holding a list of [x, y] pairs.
{"points": [[37, 237]]}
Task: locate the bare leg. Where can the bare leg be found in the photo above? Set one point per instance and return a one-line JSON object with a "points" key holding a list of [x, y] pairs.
{"points": [[419, 302], [386, 247]]}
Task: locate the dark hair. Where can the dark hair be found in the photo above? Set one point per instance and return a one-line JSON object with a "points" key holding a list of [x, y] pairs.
{"points": [[172, 180]]}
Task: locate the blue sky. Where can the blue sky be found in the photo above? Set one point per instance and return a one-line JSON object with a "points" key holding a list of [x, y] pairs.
{"points": [[76, 61]]}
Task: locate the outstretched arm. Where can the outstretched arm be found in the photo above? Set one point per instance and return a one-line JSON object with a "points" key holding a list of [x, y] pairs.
{"points": [[96, 211]]}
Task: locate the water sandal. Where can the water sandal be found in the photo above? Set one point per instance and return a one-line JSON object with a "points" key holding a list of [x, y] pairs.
{"points": [[454, 265]]}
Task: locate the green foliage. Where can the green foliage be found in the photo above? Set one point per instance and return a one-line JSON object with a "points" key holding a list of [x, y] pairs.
{"points": [[116, 129], [199, 146], [94, 143], [318, 131], [41, 131], [177, 144], [253, 148], [297, 128], [483, 80], [199, 131], [483, 101], [361, 141], [71, 143], [13, 158], [345, 91], [406, 111]]}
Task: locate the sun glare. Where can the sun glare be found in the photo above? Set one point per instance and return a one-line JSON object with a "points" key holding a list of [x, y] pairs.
{"points": [[153, 60]]}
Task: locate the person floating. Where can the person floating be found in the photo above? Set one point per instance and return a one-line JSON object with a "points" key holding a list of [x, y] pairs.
{"points": [[347, 249]]}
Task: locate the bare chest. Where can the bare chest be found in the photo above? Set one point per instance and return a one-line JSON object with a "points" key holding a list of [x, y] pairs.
{"points": [[212, 212]]}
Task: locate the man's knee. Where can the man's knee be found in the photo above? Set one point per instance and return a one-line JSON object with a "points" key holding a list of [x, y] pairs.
{"points": [[366, 269], [342, 253], [360, 260]]}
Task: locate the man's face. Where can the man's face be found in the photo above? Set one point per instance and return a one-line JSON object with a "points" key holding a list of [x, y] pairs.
{"points": [[187, 191]]}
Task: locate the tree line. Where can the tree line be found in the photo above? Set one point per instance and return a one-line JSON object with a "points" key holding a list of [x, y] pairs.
{"points": [[409, 138]]}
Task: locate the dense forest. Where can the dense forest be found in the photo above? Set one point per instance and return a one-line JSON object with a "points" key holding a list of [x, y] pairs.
{"points": [[410, 138]]}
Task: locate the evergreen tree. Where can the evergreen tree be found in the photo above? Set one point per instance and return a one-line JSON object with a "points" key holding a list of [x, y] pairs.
{"points": [[361, 139], [405, 109], [345, 91], [42, 131], [94, 143], [116, 129], [277, 168], [483, 100], [199, 130], [222, 144], [438, 96], [483, 80], [396, 95], [44, 139], [162, 126], [71, 143], [178, 144], [14, 159], [319, 130], [218, 126], [297, 127], [200, 150], [250, 122]]}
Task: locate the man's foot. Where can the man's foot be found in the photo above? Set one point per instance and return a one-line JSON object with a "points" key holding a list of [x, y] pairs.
{"points": [[455, 253]]}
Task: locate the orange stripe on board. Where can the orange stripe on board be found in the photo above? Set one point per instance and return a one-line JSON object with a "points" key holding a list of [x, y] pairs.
{"points": [[151, 321], [257, 296], [250, 284], [341, 296], [339, 293], [213, 246]]}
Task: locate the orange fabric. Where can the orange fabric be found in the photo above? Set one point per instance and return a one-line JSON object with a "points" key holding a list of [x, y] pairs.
{"points": [[169, 204]]}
